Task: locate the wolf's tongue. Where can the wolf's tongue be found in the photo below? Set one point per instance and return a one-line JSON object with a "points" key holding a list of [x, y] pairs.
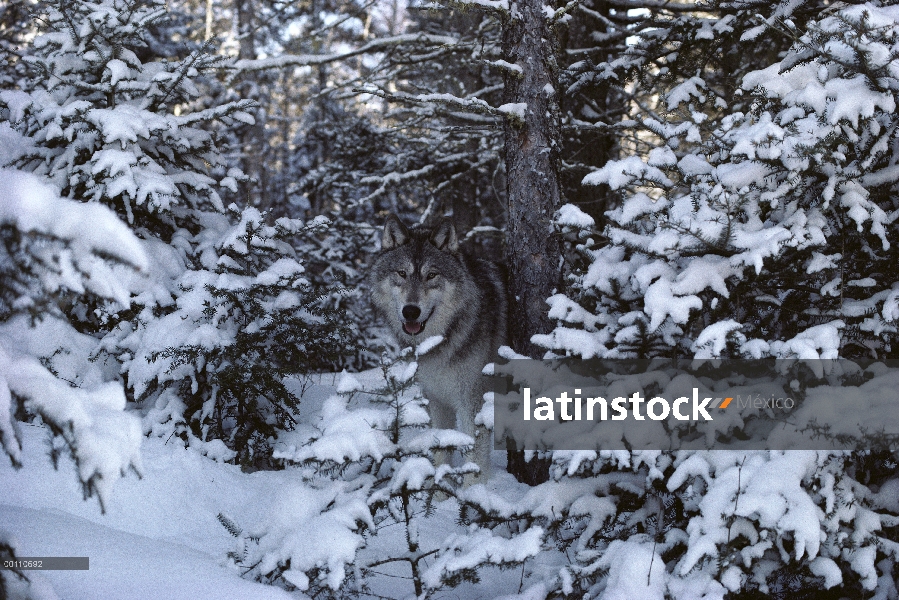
{"points": [[412, 327]]}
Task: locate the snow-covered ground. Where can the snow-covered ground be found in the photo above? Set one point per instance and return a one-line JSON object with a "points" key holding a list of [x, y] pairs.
{"points": [[160, 536]]}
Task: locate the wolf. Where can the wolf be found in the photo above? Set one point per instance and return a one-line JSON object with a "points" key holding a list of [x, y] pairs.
{"points": [[424, 285]]}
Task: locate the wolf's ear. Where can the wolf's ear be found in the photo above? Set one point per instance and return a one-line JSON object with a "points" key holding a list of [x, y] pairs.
{"points": [[444, 236], [395, 233]]}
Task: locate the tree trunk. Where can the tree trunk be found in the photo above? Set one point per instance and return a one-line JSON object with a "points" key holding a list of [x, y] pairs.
{"points": [[532, 146], [253, 142], [532, 171]]}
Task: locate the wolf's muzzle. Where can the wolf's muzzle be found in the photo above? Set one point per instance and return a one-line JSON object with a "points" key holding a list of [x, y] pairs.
{"points": [[411, 324]]}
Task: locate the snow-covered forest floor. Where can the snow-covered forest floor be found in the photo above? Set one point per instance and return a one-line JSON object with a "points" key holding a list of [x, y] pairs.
{"points": [[160, 536]]}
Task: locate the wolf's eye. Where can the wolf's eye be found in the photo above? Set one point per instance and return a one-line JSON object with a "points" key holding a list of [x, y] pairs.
{"points": [[401, 274], [432, 275]]}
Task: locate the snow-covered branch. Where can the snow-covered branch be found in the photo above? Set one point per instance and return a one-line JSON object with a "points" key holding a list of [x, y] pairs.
{"points": [[309, 60], [500, 7]]}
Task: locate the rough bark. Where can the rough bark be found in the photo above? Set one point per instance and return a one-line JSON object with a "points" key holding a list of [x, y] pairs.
{"points": [[532, 170], [532, 146]]}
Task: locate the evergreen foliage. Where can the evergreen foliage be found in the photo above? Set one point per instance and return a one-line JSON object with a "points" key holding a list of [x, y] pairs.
{"points": [[9, 577], [16, 25], [374, 469], [757, 222], [656, 524], [213, 365], [757, 233], [107, 126], [54, 251]]}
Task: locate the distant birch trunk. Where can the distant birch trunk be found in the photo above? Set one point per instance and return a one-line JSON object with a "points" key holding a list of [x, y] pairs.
{"points": [[254, 141]]}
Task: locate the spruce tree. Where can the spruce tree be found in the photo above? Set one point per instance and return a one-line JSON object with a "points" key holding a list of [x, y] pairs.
{"points": [[214, 367], [375, 469], [758, 227], [107, 126], [757, 222], [52, 249]]}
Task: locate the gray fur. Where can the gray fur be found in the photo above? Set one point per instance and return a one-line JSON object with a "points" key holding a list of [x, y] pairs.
{"points": [[460, 298]]}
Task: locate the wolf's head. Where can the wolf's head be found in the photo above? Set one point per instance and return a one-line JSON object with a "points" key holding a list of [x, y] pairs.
{"points": [[417, 280]]}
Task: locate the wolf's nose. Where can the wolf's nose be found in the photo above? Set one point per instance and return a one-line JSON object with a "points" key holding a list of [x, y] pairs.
{"points": [[411, 312]]}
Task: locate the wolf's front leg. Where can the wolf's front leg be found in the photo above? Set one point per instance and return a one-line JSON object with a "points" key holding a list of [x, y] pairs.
{"points": [[480, 454], [442, 417]]}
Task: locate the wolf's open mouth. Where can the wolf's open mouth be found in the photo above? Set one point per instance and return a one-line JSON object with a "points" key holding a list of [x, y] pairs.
{"points": [[414, 327]]}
